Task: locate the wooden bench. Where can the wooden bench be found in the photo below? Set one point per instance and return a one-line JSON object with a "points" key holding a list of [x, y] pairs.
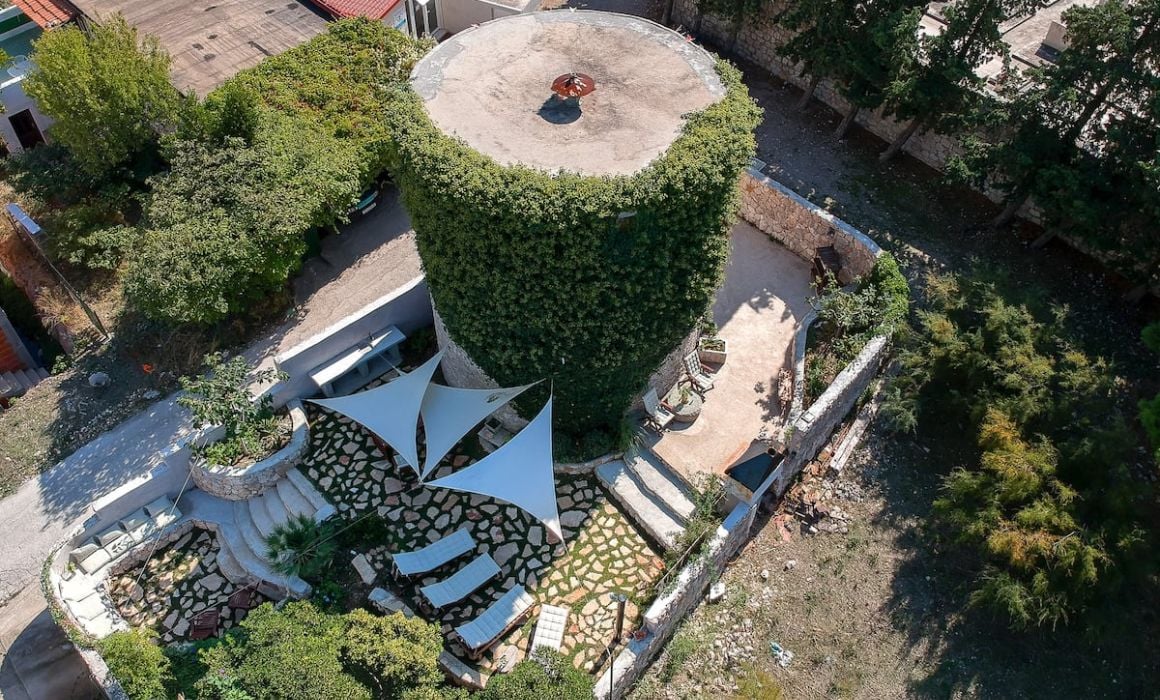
{"points": [[357, 366]]}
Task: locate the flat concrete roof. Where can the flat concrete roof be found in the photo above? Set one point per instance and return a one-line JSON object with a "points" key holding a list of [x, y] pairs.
{"points": [[211, 40], [491, 86]]}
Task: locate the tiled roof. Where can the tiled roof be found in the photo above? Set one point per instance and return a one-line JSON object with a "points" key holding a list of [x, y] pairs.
{"points": [[371, 9], [47, 13]]}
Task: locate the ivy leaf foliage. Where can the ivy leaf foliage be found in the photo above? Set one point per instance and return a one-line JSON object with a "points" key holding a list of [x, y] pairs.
{"points": [[107, 89], [536, 276]]}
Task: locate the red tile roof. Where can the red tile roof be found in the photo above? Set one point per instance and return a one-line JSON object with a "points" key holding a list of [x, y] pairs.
{"points": [[371, 9], [47, 13]]}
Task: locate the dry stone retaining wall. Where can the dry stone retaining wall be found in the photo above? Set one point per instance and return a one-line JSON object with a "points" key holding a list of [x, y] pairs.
{"points": [[240, 484], [802, 226]]}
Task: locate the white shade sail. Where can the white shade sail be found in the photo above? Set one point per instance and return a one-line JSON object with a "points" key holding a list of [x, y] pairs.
{"points": [[390, 411], [449, 412], [520, 473]]}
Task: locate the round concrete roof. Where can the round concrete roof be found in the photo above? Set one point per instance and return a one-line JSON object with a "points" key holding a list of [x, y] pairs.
{"points": [[491, 86]]}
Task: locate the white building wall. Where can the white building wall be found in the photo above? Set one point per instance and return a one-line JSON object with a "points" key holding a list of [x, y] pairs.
{"points": [[14, 99]]}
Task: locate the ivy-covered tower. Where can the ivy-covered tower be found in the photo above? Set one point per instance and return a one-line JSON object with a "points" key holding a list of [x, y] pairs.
{"points": [[577, 239]]}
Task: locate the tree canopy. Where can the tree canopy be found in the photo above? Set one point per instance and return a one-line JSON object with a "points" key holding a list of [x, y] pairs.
{"points": [[107, 91]]}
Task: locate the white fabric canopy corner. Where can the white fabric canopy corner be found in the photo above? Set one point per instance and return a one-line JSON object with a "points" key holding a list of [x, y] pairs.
{"points": [[449, 412], [521, 472], [391, 411]]}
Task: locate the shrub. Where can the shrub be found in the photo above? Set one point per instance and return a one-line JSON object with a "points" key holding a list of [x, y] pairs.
{"points": [[547, 674], [106, 88], [1047, 503], [549, 284], [285, 654], [399, 654], [136, 660], [302, 547], [222, 397]]}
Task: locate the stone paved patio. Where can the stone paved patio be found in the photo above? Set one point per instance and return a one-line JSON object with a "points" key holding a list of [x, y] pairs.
{"points": [[179, 582], [604, 552]]}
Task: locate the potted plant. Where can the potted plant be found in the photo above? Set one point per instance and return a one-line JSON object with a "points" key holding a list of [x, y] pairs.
{"points": [[713, 350], [246, 429]]}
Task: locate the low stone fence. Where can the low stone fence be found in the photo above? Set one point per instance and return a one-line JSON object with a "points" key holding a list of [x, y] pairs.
{"points": [[806, 435], [802, 226], [238, 484], [665, 614]]}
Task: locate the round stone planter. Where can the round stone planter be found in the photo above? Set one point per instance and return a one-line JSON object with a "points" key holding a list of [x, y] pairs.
{"points": [[234, 484]]}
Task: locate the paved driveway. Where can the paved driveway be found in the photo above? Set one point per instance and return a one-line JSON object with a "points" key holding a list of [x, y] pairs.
{"points": [[372, 257]]}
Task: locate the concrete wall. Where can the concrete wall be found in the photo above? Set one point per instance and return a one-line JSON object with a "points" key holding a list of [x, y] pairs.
{"points": [[461, 14], [803, 226], [409, 308], [806, 435], [14, 100], [665, 614]]}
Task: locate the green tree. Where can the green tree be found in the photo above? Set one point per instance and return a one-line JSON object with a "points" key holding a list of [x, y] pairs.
{"points": [[1150, 408], [1053, 129], [285, 654], [860, 46], [107, 91], [547, 674], [1050, 503], [221, 397], [939, 84], [399, 654], [137, 662], [224, 233]]}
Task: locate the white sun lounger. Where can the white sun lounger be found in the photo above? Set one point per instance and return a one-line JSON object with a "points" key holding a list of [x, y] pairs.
{"points": [[433, 555], [505, 613], [550, 628], [460, 584]]}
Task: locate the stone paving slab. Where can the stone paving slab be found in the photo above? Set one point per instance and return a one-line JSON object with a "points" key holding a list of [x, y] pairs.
{"points": [[604, 552]]}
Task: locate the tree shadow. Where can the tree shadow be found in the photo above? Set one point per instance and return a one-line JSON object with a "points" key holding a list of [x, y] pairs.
{"points": [[969, 651]]}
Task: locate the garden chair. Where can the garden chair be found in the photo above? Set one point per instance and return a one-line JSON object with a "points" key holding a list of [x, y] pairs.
{"points": [[550, 628], [433, 555], [243, 599], [660, 414], [698, 373], [204, 625], [462, 583], [480, 634]]}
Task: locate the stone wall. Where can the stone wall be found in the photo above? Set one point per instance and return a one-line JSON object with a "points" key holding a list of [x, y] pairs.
{"points": [[240, 484], [758, 42], [802, 226], [665, 614], [806, 435]]}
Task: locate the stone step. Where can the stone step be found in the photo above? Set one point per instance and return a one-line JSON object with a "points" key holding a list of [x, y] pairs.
{"points": [[293, 499], [229, 565], [271, 512], [322, 507], [659, 480], [649, 511], [249, 549]]}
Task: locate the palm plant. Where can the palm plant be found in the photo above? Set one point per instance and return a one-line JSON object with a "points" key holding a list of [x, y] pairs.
{"points": [[301, 547]]}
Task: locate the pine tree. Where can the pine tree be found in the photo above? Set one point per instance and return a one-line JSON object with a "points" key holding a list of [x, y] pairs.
{"points": [[1081, 127], [858, 45], [940, 85]]}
